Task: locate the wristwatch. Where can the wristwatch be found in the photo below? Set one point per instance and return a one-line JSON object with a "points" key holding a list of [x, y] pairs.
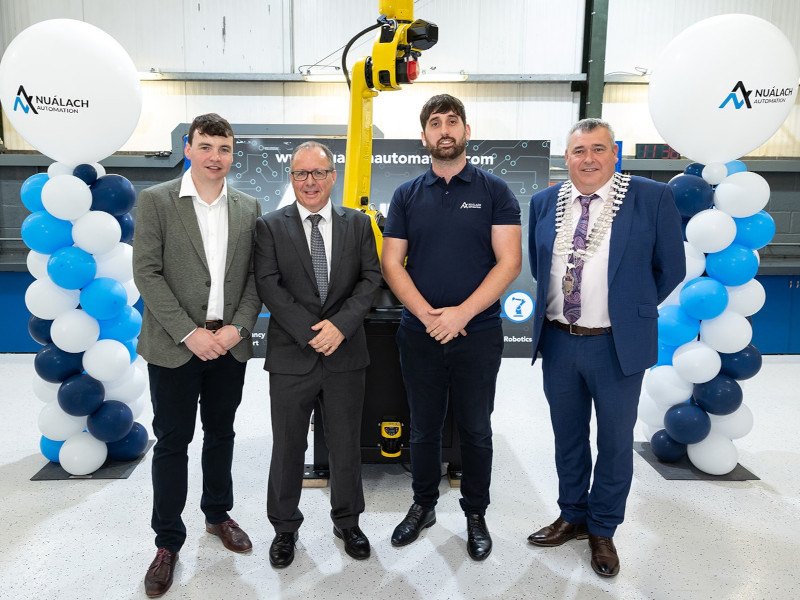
{"points": [[243, 332]]}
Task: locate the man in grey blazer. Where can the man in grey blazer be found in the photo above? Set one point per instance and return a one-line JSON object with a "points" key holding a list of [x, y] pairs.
{"points": [[192, 260], [316, 270]]}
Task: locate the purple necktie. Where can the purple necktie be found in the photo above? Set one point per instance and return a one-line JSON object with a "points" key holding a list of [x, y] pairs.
{"points": [[572, 289]]}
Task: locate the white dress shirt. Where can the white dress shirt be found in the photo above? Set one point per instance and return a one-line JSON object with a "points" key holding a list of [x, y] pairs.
{"points": [[594, 280], [325, 228]]}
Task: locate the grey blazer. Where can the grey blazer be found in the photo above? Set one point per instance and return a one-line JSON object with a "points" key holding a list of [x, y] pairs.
{"points": [[170, 270], [286, 284]]}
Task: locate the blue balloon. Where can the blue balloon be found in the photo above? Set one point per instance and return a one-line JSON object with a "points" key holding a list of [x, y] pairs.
{"points": [[50, 448], [86, 173], [695, 169], [111, 422], [71, 267], [735, 166], [81, 395], [720, 396], [704, 298], [131, 346], [43, 233], [743, 364], [735, 265], [692, 194], [131, 446], [123, 327], [54, 365], [40, 330], [675, 327], [113, 194], [665, 353], [687, 423], [126, 224], [665, 448], [104, 298], [31, 192], [755, 231]]}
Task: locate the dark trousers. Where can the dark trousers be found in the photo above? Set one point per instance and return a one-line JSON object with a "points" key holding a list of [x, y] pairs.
{"points": [[341, 399], [174, 393], [577, 370], [465, 370]]}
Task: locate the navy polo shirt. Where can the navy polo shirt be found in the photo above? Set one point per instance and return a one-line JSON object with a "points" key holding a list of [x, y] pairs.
{"points": [[448, 227]]}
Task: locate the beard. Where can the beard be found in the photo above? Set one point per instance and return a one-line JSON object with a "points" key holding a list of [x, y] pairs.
{"points": [[447, 153]]}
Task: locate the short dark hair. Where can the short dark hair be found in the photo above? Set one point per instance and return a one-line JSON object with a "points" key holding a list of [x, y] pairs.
{"points": [[311, 145], [442, 103], [210, 124]]}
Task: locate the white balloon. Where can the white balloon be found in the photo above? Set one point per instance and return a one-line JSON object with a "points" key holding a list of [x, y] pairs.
{"points": [[82, 454], [96, 232], [735, 425], [101, 170], [137, 406], [106, 360], [46, 300], [715, 455], [37, 264], [649, 431], [75, 331], [666, 387], [45, 390], [57, 425], [674, 297], [650, 412], [741, 195], [116, 264], [82, 85], [725, 108], [711, 230], [695, 261], [746, 299], [59, 168], [696, 362], [128, 387], [66, 197], [727, 333], [714, 173], [132, 291]]}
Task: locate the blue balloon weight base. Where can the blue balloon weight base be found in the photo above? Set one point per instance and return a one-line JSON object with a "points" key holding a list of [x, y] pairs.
{"points": [[683, 469], [112, 469]]}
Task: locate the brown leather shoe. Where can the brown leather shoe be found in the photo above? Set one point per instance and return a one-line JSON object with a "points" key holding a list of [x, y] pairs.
{"points": [[557, 533], [605, 561], [159, 575], [233, 537]]}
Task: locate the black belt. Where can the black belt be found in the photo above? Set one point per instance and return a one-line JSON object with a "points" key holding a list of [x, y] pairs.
{"points": [[213, 325], [578, 330]]}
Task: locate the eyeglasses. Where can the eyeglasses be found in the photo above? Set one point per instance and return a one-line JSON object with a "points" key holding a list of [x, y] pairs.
{"points": [[318, 174]]}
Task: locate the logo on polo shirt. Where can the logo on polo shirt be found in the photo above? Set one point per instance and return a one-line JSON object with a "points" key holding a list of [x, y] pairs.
{"points": [[470, 205]]}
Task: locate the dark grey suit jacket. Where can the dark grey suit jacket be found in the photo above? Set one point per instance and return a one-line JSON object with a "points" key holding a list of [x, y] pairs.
{"points": [[170, 270], [286, 284]]}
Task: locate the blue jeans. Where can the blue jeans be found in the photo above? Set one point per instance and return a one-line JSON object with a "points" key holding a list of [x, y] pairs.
{"points": [[463, 371]]}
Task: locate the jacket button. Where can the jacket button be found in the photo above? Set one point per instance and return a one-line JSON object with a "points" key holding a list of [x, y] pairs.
{"points": [[316, 294], [208, 284], [204, 307]]}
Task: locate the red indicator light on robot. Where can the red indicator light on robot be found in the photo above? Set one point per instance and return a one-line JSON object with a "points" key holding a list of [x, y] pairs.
{"points": [[412, 70]]}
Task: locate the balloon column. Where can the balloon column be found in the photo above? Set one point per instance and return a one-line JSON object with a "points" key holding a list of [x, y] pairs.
{"points": [[692, 401], [77, 102]]}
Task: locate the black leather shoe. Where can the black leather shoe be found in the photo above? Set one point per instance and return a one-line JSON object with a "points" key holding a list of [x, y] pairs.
{"points": [[558, 532], [605, 561], [479, 542], [356, 543], [281, 551], [159, 575], [417, 519]]}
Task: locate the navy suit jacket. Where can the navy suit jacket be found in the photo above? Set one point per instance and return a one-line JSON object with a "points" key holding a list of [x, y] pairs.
{"points": [[645, 263]]}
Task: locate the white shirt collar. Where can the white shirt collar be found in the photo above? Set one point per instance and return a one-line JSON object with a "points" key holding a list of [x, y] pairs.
{"points": [[325, 212], [602, 191], [189, 189]]}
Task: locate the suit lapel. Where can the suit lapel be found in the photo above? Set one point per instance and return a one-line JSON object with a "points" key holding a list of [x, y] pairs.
{"points": [[188, 217], [296, 233], [620, 230], [234, 226], [338, 234], [548, 232]]}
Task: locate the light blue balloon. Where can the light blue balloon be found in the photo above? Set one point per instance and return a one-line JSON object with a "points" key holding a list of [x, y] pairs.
{"points": [[735, 166], [123, 327], [755, 231], [50, 448], [665, 353], [45, 234], [71, 267], [735, 265], [31, 191], [104, 298], [675, 327], [704, 298], [131, 346]]}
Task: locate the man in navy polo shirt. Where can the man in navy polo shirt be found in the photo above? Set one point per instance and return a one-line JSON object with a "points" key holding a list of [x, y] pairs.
{"points": [[459, 229]]}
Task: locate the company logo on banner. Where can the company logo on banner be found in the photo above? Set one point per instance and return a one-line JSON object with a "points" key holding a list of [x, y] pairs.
{"points": [[762, 96], [261, 169], [51, 103]]}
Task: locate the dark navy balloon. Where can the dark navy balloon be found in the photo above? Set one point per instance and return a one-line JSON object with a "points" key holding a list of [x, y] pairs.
{"points": [[687, 423], [54, 365], [86, 173], [720, 396], [695, 169], [692, 194], [665, 448], [40, 330], [113, 194], [131, 446], [111, 422], [126, 224], [81, 395], [743, 364]]}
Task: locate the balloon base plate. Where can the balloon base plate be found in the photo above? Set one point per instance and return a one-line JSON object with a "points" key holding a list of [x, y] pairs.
{"points": [[112, 469], [685, 470]]}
